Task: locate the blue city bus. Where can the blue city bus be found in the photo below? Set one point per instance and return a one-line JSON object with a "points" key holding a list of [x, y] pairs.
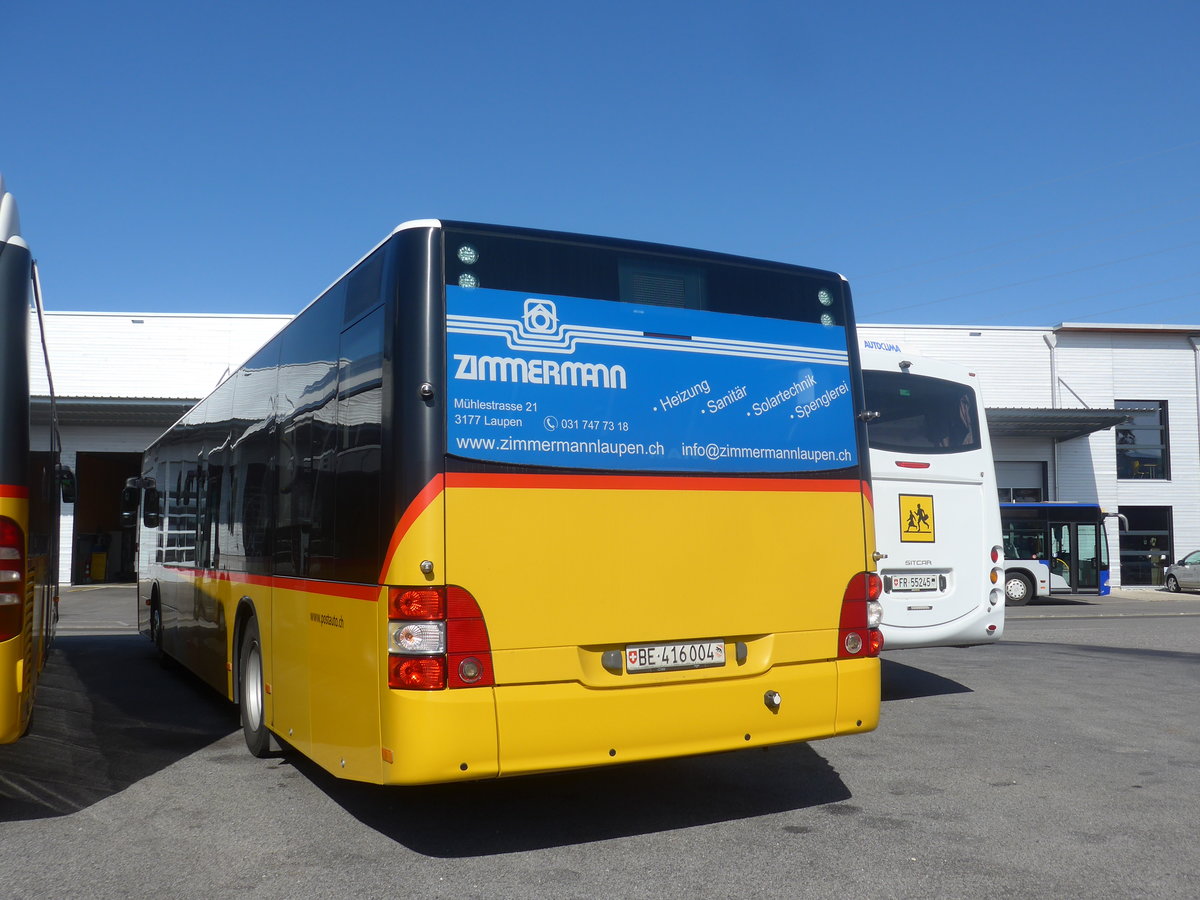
{"points": [[1053, 547]]}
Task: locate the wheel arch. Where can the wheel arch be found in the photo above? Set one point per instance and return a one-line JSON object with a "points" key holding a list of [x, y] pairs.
{"points": [[245, 612], [1019, 569]]}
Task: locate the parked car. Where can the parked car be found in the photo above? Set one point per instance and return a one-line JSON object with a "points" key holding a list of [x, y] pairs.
{"points": [[1185, 574]]}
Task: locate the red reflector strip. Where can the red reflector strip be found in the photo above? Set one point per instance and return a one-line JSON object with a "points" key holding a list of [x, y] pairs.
{"points": [[460, 604], [467, 636], [905, 464], [467, 640]]}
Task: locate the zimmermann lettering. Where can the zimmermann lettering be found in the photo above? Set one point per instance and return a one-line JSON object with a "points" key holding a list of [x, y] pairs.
{"points": [[539, 371]]}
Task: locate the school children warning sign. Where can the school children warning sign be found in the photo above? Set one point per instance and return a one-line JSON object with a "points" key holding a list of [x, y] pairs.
{"points": [[916, 518]]}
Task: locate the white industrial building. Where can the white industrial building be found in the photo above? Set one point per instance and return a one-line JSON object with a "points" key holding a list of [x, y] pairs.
{"points": [[121, 381], [1054, 397], [1108, 414]]}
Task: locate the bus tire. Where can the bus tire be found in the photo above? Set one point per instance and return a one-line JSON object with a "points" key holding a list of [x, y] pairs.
{"points": [[1172, 584], [156, 629], [1018, 589], [251, 694]]}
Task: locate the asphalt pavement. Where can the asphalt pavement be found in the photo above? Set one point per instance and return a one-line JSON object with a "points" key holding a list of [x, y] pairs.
{"points": [[97, 609], [100, 609], [1058, 763]]}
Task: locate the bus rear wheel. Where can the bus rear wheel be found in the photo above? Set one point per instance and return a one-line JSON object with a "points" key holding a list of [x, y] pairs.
{"points": [[1018, 589], [156, 631], [250, 667]]}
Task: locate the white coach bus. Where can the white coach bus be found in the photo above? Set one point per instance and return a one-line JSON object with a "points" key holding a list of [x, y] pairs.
{"points": [[937, 513]]}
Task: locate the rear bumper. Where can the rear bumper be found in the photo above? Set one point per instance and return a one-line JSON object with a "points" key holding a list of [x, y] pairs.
{"points": [[549, 727], [969, 629]]}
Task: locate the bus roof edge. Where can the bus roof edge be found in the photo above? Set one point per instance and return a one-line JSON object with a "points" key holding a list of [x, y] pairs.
{"points": [[10, 221], [417, 223]]}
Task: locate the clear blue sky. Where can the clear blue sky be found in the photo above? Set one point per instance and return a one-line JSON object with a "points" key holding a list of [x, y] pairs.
{"points": [[1016, 163]]}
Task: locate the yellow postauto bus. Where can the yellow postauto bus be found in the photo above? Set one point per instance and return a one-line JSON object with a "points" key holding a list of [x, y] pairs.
{"points": [[503, 501], [29, 492]]}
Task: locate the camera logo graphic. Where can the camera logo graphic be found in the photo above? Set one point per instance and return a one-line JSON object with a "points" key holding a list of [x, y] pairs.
{"points": [[541, 317]]}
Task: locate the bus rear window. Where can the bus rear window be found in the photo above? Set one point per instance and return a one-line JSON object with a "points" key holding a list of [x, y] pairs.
{"points": [[702, 364], [515, 262], [920, 414]]}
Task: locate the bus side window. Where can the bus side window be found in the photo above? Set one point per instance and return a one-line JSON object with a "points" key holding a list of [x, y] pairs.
{"points": [[304, 533], [360, 535]]}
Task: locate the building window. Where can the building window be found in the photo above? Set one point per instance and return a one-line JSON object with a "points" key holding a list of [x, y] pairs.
{"points": [[1145, 544], [1021, 495], [1142, 448]]}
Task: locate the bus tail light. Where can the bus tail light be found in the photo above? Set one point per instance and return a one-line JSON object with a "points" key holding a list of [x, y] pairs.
{"points": [[12, 578], [416, 603], [437, 639], [858, 633], [417, 673], [996, 576], [417, 637]]}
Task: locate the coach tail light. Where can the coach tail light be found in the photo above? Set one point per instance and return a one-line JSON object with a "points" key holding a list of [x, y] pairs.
{"points": [[858, 633], [12, 578], [437, 639], [996, 575]]}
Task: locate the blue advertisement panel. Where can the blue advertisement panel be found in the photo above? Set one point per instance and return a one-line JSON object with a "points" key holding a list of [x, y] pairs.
{"points": [[567, 382]]}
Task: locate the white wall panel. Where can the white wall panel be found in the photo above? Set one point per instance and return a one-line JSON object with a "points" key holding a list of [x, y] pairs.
{"points": [[1012, 363], [145, 355]]}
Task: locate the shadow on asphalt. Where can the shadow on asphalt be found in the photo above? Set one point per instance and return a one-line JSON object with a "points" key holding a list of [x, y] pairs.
{"points": [[1060, 600], [901, 682], [487, 818], [106, 716]]}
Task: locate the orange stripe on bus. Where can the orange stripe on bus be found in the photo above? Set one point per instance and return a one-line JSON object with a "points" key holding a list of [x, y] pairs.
{"points": [[653, 483], [419, 504], [327, 588]]}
